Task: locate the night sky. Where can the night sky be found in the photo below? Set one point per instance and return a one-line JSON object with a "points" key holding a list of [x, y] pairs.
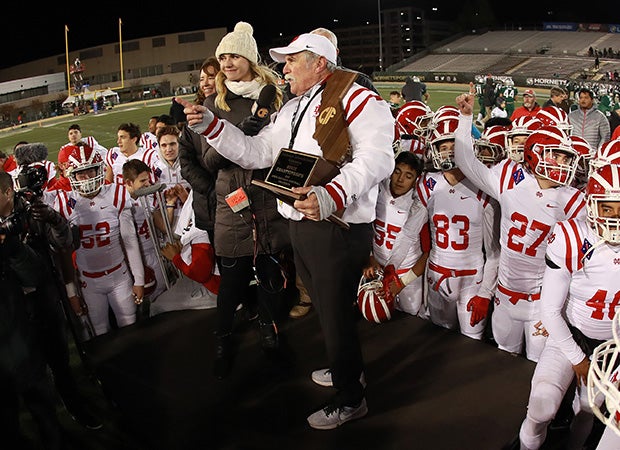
{"points": [[38, 31]]}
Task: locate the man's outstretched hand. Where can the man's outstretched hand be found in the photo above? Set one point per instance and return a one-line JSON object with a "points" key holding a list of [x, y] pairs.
{"points": [[198, 116]]}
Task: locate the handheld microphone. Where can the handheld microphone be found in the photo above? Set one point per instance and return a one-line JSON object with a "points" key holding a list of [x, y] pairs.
{"points": [[266, 97]]}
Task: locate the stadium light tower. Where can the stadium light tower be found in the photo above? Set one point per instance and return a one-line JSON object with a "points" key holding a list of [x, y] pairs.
{"points": [[380, 40], [120, 48], [67, 59]]}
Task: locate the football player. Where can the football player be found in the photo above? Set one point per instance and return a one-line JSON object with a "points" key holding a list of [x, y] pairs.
{"points": [[128, 136], [489, 147], [510, 93], [136, 175], [607, 153], [75, 135], [401, 235], [102, 213], [519, 131], [412, 123], [603, 392], [579, 299], [533, 196], [462, 265], [168, 168]]}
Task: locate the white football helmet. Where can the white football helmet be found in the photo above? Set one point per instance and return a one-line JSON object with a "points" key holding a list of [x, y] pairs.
{"points": [[80, 158], [442, 130], [489, 148], [372, 303], [539, 155], [586, 153], [603, 378], [607, 153], [604, 186], [521, 126], [413, 118], [444, 112], [554, 116]]}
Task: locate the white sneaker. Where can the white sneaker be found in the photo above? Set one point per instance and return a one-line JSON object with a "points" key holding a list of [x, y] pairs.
{"points": [[333, 416], [323, 377]]}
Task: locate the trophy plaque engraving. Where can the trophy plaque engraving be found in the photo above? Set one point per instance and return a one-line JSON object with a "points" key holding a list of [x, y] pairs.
{"points": [[296, 169]]}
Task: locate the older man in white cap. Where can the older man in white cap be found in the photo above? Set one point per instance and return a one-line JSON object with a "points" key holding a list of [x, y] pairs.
{"points": [[328, 257]]}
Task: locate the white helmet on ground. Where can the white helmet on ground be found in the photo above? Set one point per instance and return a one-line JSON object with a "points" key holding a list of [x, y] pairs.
{"points": [[372, 302]]}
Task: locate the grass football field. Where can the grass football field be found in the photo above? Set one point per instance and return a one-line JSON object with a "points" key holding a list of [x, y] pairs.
{"points": [[53, 132]]}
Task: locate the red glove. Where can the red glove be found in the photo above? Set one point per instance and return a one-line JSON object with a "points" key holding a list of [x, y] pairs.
{"points": [[390, 276], [479, 308]]}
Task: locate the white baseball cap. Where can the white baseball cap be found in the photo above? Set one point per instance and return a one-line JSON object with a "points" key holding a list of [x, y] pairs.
{"points": [[314, 43]]}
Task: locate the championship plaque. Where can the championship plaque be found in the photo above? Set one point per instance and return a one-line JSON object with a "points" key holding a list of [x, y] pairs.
{"points": [[296, 169]]}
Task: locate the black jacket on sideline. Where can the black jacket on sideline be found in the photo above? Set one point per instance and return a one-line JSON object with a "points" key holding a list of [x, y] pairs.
{"points": [[233, 231], [199, 177]]}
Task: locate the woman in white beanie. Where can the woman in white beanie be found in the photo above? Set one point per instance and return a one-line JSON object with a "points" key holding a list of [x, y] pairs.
{"points": [[250, 241]]}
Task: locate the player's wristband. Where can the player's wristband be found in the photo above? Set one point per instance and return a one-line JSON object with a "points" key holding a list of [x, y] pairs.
{"points": [[171, 206], [408, 277], [71, 289]]}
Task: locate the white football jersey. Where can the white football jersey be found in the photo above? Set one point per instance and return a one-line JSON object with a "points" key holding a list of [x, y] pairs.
{"points": [[149, 141], [456, 220], [142, 227], [115, 159], [529, 213], [99, 226], [391, 216], [189, 233], [51, 169], [92, 143], [168, 175], [590, 295]]}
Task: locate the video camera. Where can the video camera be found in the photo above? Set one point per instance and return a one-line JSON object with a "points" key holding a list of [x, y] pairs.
{"points": [[30, 181], [29, 186]]}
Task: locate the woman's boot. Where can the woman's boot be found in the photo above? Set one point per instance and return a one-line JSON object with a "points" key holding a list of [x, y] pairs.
{"points": [[223, 356], [268, 337]]}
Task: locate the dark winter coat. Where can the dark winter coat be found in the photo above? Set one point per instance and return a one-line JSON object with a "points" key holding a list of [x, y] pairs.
{"points": [[20, 267], [200, 178], [234, 231]]}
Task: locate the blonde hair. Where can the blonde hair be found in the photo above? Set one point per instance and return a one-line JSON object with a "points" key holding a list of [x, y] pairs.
{"points": [[265, 74]]}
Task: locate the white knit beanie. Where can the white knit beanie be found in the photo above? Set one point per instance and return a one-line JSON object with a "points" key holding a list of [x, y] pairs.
{"points": [[239, 42]]}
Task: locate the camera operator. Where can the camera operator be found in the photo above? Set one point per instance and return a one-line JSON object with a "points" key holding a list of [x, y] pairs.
{"points": [[50, 235], [22, 366]]}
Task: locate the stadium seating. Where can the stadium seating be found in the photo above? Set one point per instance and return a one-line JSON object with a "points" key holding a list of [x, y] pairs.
{"points": [[562, 54]]}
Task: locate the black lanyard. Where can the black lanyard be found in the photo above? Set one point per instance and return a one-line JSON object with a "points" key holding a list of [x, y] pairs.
{"points": [[295, 126]]}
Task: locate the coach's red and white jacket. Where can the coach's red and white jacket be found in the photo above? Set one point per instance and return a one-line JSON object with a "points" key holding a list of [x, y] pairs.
{"points": [[371, 132]]}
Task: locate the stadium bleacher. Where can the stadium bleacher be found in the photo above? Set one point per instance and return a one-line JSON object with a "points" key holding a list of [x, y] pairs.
{"points": [[551, 54]]}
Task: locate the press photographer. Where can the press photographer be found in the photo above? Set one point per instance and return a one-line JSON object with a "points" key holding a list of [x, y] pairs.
{"points": [[22, 366], [29, 216]]}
